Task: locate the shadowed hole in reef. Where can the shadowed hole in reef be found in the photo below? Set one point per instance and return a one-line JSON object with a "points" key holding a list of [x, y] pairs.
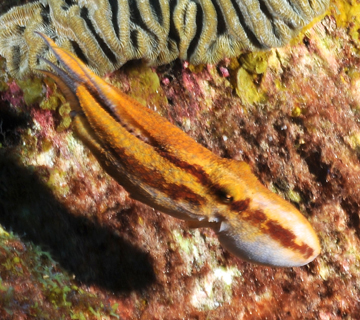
{"points": [[318, 168], [351, 207], [11, 124], [94, 254]]}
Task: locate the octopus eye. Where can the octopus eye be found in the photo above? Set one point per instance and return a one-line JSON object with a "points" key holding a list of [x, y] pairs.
{"points": [[224, 196]]}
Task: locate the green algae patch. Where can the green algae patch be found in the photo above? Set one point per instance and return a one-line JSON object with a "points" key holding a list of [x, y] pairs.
{"points": [[58, 182], [145, 77], [32, 89], [246, 79], [29, 143], [197, 69], [354, 141], [294, 196], [3, 85], [187, 245], [64, 124], [64, 112], [245, 87], [255, 62], [234, 64], [52, 103], [3, 76], [46, 145], [58, 102], [145, 86], [296, 112]]}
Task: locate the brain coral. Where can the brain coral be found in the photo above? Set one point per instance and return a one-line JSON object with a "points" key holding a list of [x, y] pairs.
{"points": [[107, 33]]}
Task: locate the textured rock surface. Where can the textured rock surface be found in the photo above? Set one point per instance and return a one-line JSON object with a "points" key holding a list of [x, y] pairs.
{"points": [[291, 113]]}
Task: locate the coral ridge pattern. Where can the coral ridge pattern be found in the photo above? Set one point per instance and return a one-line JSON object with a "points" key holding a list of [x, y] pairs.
{"points": [[107, 33]]}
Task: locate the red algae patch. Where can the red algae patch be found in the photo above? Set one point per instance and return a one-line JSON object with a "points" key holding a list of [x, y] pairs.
{"points": [[291, 113]]}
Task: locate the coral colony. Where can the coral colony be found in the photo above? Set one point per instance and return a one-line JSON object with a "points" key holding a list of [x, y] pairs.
{"points": [[105, 34]]}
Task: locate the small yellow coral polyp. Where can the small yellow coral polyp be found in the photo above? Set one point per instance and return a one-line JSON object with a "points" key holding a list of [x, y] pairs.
{"points": [[159, 165], [106, 34]]}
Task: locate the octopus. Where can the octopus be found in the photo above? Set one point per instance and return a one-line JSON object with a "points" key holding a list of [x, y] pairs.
{"points": [[161, 166]]}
